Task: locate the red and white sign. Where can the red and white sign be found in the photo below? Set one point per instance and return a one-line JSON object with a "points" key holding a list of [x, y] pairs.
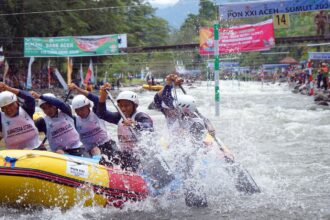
{"points": [[244, 38]]}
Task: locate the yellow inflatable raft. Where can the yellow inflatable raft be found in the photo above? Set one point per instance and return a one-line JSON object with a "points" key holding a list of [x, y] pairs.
{"points": [[152, 87], [31, 178], [38, 115]]}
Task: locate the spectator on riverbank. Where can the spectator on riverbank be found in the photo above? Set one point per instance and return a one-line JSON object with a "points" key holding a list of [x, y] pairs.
{"points": [[319, 78], [320, 20], [325, 72], [118, 83]]}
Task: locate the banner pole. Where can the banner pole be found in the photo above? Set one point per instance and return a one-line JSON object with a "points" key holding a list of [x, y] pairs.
{"points": [[216, 68]]}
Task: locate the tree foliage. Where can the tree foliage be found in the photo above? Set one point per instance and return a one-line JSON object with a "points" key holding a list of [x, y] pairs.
{"points": [[52, 18]]}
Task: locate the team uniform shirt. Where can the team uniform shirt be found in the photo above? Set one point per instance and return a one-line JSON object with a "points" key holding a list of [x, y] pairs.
{"points": [[126, 138], [92, 131], [177, 124], [197, 128], [164, 103], [60, 130], [27, 110], [19, 132], [28, 105]]}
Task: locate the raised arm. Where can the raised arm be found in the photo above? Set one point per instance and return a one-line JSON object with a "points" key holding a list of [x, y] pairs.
{"points": [[102, 112], [74, 87], [29, 102], [65, 108], [89, 95], [165, 94]]}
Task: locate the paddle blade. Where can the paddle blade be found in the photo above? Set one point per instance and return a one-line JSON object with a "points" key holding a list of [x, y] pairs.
{"points": [[243, 180], [156, 170], [195, 197]]}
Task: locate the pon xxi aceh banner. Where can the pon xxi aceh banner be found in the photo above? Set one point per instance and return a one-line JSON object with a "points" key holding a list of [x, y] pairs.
{"points": [[71, 46], [264, 8], [244, 38]]}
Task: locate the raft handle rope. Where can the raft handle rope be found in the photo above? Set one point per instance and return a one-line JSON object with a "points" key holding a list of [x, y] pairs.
{"points": [[33, 155], [67, 158]]}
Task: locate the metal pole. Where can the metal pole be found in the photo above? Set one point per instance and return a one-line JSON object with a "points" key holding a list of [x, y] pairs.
{"points": [[216, 68]]}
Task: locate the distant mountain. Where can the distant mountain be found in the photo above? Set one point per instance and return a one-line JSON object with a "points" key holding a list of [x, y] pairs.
{"points": [[176, 14]]}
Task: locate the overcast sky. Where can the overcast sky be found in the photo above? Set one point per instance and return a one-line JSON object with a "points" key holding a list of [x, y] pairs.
{"points": [[167, 3], [163, 3]]}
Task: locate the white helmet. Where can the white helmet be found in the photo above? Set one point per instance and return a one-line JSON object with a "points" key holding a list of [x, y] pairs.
{"points": [[7, 98], [80, 101], [128, 95], [46, 94], [186, 103]]}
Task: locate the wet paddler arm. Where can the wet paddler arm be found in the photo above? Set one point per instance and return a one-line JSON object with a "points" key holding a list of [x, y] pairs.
{"points": [[4, 87], [73, 87], [103, 92]]}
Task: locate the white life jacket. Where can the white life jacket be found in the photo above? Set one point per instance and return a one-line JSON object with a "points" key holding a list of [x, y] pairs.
{"points": [[181, 128], [172, 121], [126, 138], [19, 132], [202, 131], [174, 125], [61, 133], [92, 130]]}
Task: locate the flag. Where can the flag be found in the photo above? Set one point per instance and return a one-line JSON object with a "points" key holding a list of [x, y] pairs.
{"points": [[81, 76], [29, 76], [69, 70], [142, 74], [105, 77], [95, 79], [60, 78], [89, 73], [49, 70], [93, 74], [2, 57], [5, 70]]}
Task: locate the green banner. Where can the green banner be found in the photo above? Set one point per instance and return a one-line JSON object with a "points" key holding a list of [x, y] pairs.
{"points": [[74, 46]]}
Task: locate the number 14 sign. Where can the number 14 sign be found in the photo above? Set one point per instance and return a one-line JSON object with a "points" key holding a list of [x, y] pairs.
{"points": [[281, 20]]}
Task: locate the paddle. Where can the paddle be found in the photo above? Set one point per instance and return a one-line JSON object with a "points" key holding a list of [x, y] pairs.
{"points": [[42, 147], [244, 181], [154, 166]]}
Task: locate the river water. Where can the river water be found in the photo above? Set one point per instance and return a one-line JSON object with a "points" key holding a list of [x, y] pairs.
{"points": [[280, 137]]}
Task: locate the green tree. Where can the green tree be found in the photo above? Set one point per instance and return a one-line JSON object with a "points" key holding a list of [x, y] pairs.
{"points": [[52, 18]]}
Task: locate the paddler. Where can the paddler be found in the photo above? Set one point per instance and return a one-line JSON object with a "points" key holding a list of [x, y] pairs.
{"points": [[184, 125], [135, 123], [180, 112], [17, 126], [91, 128], [132, 125], [58, 125]]}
